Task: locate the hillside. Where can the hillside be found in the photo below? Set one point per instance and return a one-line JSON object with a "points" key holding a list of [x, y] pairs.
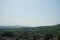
{"points": [[54, 29]]}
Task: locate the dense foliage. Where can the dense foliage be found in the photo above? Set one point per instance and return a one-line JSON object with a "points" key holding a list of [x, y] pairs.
{"points": [[46, 37], [28, 31]]}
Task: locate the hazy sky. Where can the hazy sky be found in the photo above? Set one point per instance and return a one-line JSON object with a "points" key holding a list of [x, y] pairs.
{"points": [[29, 12]]}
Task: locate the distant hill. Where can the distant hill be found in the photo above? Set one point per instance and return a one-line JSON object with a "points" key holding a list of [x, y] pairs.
{"points": [[17, 26]]}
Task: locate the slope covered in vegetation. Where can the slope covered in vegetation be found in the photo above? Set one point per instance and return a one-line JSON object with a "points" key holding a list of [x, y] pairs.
{"points": [[54, 30]]}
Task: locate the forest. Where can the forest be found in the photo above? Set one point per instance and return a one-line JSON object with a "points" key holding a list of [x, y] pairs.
{"points": [[47, 32]]}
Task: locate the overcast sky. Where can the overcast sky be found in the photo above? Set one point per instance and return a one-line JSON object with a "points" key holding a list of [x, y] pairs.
{"points": [[29, 12]]}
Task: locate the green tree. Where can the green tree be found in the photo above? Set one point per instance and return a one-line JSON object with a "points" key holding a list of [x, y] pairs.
{"points": [[59, 37], [8, 34], [34, 37], [17, 39], [46, 37], [51, 36]]}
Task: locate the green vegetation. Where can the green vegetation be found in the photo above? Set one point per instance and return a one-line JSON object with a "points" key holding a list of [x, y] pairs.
{"points": [[48, 31], [8, 34], [34, 37], [46, 37], [59, 37]]}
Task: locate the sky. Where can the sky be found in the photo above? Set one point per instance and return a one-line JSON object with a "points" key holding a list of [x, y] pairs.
{"points": [[29, 12]]}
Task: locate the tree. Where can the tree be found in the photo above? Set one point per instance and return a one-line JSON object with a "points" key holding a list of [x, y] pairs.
{"points": [[17, 39], [8, 34], [59, 37], [46, 37], [34, 37], [51, 36]]}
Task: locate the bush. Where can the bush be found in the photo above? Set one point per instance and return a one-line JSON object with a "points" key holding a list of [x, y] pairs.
{"points": [[59, 37], [34, 37], [46, 37], [8, 34]]}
